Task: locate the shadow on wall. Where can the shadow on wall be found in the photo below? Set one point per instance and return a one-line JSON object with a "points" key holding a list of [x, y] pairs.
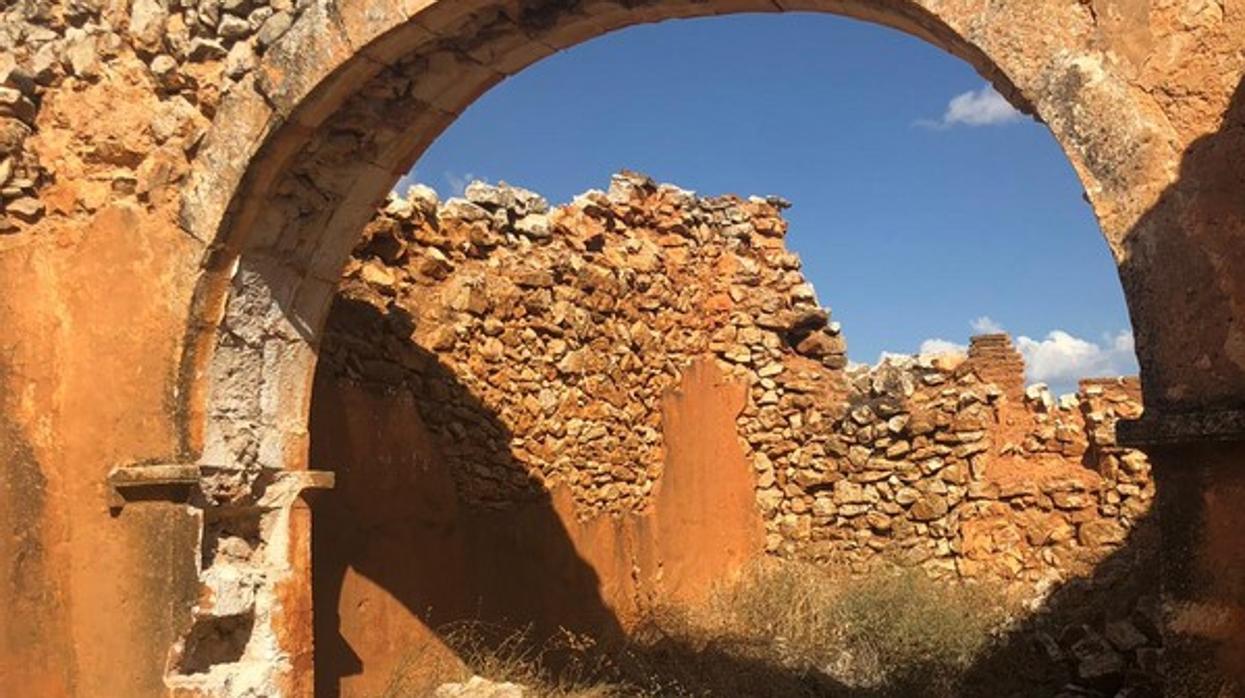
{"points": [[1099, 635], [398, 554], [396, 524], [1186, 257]]}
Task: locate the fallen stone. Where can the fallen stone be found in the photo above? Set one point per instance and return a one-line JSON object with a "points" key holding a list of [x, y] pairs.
{"points": [[1096, 661], [479, 687], [27, 209], [274, 28], [535, 226], [1124, 635]]}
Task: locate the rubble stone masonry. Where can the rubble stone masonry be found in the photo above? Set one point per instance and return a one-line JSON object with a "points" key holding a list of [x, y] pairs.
{"points": [[181, 182], [540, 342]]}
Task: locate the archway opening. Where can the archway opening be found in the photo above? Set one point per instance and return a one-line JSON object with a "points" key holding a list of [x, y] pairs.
{"points": [[471, 329]]}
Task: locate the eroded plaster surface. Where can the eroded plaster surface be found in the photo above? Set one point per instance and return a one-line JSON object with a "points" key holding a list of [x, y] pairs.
{"points": [[180, 186]]}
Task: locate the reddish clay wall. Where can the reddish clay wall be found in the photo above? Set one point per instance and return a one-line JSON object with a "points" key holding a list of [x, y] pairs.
{"points": [[707, 523], [564, 430], [107, 108], [398, 552], [92, 600]]}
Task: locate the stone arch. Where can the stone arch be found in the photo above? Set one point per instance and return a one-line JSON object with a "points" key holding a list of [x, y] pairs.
{"points": [[350, 96], [341, 106]]}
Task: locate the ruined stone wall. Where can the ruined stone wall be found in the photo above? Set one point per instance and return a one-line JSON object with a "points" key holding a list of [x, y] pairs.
{"points": [[569, 325], [541, 341], [113, 271], [945, 470], [102, 101]]}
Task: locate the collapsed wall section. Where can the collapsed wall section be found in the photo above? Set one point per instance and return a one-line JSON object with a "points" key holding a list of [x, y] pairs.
{"points": [[540, 342]]}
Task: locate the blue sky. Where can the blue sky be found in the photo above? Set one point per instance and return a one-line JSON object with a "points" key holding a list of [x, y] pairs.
{"points": [[918, 207]]}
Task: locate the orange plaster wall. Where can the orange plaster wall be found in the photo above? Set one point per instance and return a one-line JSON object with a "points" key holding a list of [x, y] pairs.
{"points": [[396, 555], [92, 601]]}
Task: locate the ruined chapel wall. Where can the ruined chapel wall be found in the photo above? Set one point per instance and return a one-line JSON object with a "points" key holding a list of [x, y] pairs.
{"points": [[104, 109], [560, 331], [540, 342], [936, 467]]}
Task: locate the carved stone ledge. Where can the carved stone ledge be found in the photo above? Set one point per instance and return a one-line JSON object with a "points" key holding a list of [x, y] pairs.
{"points": [[1177, 429], [173, 482], [292, 484], [161, 481]]}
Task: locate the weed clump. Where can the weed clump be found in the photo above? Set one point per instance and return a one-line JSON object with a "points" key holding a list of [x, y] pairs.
{"points": [[782, 629]]}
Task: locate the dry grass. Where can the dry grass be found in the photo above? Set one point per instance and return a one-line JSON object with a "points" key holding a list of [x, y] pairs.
{"points": [[567, 665], [898, 633], [785, 629]]}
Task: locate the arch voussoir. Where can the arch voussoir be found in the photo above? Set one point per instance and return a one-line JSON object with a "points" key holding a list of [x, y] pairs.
{"points": [[354, 92]]}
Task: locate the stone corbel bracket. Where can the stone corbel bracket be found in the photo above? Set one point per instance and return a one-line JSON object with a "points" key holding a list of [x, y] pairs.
{"points": [[162, 482], [1182, 429], [292, 484], [173, 482]]}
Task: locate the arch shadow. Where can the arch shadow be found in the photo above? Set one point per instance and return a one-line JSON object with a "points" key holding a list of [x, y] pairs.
{"points": [[252, 217], [399, 516], [1185, 258], [407, 553], [401, 532]]}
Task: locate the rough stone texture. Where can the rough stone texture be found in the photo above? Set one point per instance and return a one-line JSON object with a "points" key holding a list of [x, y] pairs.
{"points": [[571, 336], [539, 363], [183, 182], [544, 359], [167, 54]]}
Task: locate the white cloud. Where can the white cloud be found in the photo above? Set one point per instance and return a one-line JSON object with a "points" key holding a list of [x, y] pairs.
{"points": [[892, 356], [984, 107], [929, 347], [1061, 359], [941, 346], [458, 184], [985, 325]]}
